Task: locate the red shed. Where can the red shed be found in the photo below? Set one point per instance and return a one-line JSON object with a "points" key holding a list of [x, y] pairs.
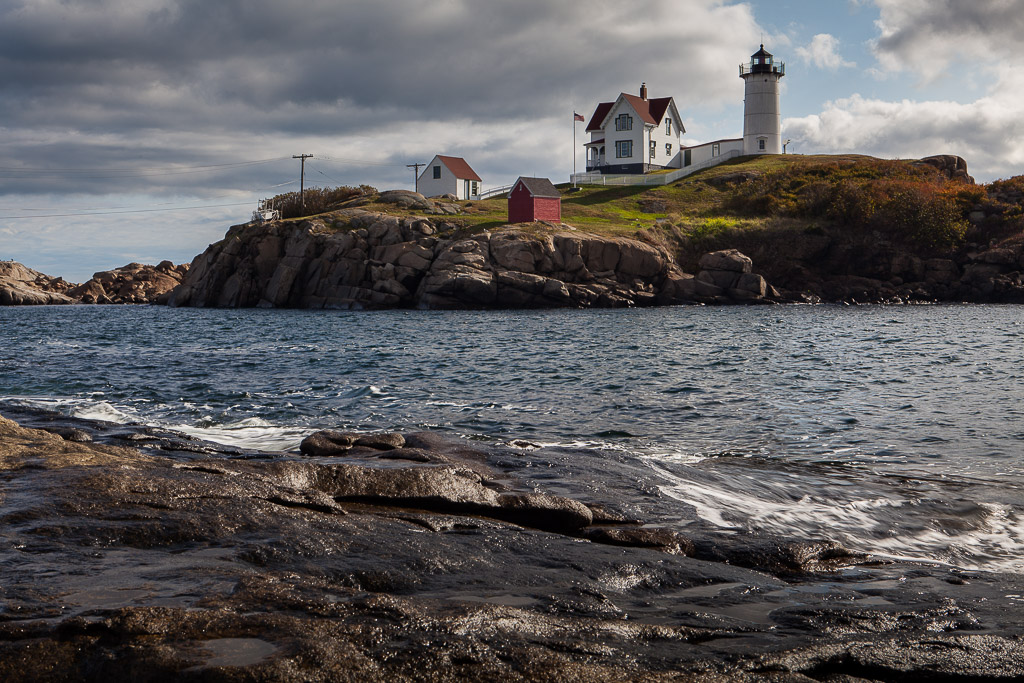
{"points": [[534, 199]]}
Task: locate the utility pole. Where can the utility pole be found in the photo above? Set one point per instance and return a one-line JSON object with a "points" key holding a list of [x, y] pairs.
{"points": [[416, 177], [302, 178]]}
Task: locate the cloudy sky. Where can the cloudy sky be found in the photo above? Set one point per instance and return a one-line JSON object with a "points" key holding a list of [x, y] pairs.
{"points": [[139, 130]]}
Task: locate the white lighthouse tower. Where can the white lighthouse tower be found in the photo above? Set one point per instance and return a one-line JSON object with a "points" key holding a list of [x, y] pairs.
{"points": [[762, 122]]}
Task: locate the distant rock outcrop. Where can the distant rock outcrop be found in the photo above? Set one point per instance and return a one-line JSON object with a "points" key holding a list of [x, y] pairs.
{"points": [[359, 259], [21, 286], [134, 283]]}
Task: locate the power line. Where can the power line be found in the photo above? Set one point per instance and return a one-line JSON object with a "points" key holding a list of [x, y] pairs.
{"points": [[168, 170], [333, 180], [110, 213], [358, 162], [87, 210]]}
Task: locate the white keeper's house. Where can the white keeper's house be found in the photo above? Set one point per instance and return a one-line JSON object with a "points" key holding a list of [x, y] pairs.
{"points": [[448, 175], [635, 135]]}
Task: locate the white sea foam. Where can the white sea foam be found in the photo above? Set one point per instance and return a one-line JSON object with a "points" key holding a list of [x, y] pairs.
{"points": [[253, 433], [103, 411], [995, 543]]}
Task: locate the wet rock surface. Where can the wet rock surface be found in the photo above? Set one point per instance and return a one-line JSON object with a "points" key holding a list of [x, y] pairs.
{"points": [[139, 554]]}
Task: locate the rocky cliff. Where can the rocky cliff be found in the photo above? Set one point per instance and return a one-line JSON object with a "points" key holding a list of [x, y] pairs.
{"points": [[354, 259]]}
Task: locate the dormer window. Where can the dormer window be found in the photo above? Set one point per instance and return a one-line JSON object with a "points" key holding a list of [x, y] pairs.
{"points": [[624, 122]]}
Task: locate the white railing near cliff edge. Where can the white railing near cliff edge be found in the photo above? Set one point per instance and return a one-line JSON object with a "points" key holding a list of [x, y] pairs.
{"points": [[493, 192], [653, 178]]}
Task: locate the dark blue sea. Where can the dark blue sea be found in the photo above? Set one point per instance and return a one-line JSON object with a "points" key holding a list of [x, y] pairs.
{"points": [[893, 430]]}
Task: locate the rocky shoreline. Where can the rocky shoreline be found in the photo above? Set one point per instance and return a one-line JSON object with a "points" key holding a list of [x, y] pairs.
{"points": [[364, 258], [136, 553]]}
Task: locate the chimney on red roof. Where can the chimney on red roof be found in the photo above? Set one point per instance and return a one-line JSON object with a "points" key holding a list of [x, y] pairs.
{"points": [[643, 91]]}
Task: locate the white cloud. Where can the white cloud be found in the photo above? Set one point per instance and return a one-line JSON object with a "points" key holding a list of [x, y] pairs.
{"points": [[978, 42], [823, 53], [988, 133]]}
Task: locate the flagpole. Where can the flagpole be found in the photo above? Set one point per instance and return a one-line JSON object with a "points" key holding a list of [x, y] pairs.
{"points": [[574, 149]]}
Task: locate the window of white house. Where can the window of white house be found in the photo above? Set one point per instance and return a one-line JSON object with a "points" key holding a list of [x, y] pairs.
{"points": [[668, 149], [437, 172], [624, 122], [654, 148], [668, 126], [476, 189], [716, 149], [760, 144], [623, 149]]}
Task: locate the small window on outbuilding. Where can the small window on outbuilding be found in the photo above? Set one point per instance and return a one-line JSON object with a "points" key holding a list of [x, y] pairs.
{"points": [[716, 149], [437, 172]]}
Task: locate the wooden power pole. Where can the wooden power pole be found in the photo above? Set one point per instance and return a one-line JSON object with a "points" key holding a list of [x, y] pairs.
{"points": [[416, 177], [302, 179]]}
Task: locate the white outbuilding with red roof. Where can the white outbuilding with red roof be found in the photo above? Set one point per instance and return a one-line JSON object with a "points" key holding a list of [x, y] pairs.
{"points": [[448, 175]]}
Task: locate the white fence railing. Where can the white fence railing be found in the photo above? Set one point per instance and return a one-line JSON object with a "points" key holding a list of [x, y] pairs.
{"points": [[493, 192], [651, 178]]}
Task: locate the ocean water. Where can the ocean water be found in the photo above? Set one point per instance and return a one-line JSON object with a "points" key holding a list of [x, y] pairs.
{"points": [[893, 430]]}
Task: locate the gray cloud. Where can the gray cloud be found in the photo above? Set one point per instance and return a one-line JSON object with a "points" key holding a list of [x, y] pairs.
{"points": [[104, 82], [930, 36]]}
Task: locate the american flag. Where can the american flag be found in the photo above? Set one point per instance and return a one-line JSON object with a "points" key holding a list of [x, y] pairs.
{"points": [[577, 117]]}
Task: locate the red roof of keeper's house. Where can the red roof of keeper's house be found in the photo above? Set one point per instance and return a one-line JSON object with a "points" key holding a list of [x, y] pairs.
{"points": [[459, 167], [599, 114], [651, 111]]}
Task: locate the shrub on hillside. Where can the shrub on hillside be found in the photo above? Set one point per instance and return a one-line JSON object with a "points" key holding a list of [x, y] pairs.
{"points": [[912, 203], [317, 199], [1003, 206]]}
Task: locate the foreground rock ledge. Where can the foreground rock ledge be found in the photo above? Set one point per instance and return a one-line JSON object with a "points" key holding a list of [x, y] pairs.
{"points": [[186, 561]]}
